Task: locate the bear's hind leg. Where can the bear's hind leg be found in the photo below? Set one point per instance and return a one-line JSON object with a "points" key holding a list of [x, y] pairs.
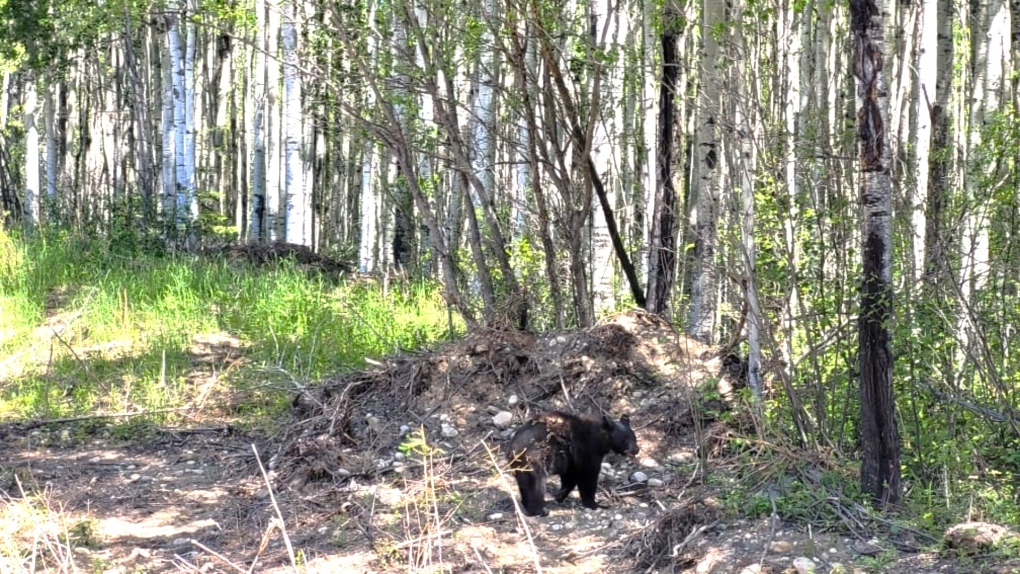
{"points": [[568, 480]]}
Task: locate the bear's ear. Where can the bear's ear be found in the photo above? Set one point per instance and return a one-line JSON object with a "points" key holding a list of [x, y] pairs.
{"points": [[607, 423], [625, 421]]}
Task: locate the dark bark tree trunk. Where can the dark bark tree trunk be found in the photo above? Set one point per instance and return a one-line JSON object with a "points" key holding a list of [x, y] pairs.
{"points": [[880, 443], [663, 237]]}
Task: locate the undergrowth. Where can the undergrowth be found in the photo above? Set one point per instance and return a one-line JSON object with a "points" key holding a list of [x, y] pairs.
{"points": [[87, 327]]}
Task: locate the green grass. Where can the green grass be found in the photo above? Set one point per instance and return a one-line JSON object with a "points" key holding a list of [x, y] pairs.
{"points": [[127, 323]]}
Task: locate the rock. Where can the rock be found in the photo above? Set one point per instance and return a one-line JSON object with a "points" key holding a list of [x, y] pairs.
{"points": [[449, 431], [495, 516], [638, 476], [869, 548], [343, 472], [507, 433], [975, 537], [804, 565], [503, 419], [752, 569], [649, 462], [655, 483], [399, 456], [404, 429], [781, 547], [513, 400], [680, 458]]}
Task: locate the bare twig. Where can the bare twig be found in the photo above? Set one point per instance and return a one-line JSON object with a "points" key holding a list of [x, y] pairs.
{"points": [[517, 510], [219, 556], [276, 507], [39, 423]]}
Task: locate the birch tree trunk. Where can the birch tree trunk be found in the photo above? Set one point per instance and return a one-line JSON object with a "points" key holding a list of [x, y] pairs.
{"points": [[927, 68], [168, 132], [182, 178], [297, 209], [880, 446], [188, 203], [938, 178], [650, 130], [370, 204], [991, 33], [701, 315], [605, 159], [51, 147], [32, 181], [275, 218], [259, 100]]}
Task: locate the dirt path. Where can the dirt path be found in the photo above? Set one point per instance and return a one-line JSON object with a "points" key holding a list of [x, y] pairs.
{"points": [[399, 470]]}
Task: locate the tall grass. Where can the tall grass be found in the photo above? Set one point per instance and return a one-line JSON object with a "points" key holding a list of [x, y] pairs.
{"points": [[86, 328]]}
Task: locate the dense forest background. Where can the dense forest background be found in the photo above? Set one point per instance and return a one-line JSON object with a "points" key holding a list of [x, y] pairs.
{"points": [[549, 162]]}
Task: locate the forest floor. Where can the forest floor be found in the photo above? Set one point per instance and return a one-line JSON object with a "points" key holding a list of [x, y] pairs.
{"points": [[400, 468]]}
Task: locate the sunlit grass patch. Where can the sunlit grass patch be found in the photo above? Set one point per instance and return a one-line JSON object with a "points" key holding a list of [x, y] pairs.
{"points": [[91, 330]]}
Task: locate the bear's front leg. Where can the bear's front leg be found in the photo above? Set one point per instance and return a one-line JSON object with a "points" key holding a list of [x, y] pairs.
{"points": [[532, 489]]}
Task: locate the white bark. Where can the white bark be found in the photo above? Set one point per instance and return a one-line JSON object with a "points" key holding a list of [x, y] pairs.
{"points": [[370, 200], [482, 111], [991, 48], [927, 67], [181, 175], [189, 203], [51, 146], [649, 129], [296, 204], [5, 90], [701, 315], [603, 154], [32, 182], [275, 219], [257, 224], [167, 133]]}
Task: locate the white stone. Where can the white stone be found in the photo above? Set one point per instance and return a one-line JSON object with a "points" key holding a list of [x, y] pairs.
{"points": [[513, 400], [449, 431], [804, 565], [404, 429], [495, 516], [649, 462], [655, 482], [638, 476], [399, 456], [503, 419]]}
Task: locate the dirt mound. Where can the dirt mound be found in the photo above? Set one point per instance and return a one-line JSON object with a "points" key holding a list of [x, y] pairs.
{"points": [[454, 391], [260, 254]]}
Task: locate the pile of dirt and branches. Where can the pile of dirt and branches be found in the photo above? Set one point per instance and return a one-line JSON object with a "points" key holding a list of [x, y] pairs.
{"points": [[455, 391], [261, 254]]}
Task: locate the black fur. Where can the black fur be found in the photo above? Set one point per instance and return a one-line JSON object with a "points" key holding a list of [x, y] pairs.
{"points": [[570, 446]]}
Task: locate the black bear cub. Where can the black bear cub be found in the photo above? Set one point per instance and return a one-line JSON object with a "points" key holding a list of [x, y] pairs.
{"points": [[570, 446]]}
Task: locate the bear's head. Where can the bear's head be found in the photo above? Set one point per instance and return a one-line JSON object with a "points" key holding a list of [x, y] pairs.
{"points": [[621, 437]]}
